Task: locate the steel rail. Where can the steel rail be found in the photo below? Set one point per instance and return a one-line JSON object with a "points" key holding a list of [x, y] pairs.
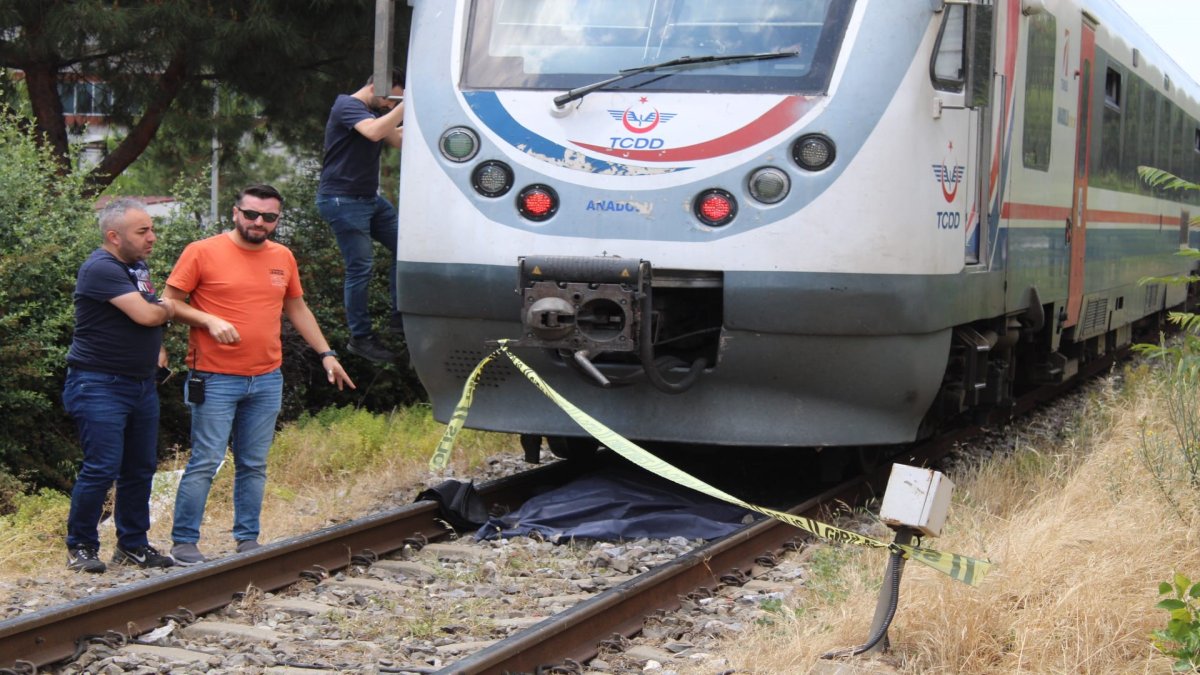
{"points": [[53, 634]]}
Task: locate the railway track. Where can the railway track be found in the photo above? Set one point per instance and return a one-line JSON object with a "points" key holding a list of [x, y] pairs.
{"points": [[555, 642], [52, 635]]}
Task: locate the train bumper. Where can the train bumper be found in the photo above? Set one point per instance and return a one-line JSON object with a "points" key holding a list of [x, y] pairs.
{"points": [[766, 389]]}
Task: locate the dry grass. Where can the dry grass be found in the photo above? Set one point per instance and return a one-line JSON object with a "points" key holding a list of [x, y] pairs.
{"points": [[322, 471], [1080, 535]]}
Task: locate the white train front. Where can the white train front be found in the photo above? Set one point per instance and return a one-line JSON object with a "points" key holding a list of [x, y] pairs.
{"points": [[781, 222]]}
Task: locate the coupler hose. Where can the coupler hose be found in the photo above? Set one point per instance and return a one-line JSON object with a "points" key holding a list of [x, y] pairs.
{"points": [[646, 355]]}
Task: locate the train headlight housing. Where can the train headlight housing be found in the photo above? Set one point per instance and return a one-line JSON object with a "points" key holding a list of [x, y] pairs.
{"points": [[769, 185], [459, 144], [715, 207], [537, 202], [492, 178], [813, 152]]}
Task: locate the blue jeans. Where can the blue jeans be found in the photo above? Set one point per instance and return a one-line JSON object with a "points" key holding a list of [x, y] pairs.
{"points": [[241, 407], [117, 418], [355, 222]]}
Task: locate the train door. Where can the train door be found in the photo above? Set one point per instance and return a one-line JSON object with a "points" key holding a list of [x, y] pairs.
{"points": [[1076, 231], [980, 98], [961, 70]]}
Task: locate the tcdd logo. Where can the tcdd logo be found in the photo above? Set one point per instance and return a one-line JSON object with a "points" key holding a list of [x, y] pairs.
{"points": [[642, 118], [949, 179]]}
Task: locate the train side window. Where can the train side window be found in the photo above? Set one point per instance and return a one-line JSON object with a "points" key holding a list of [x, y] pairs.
{"points": [[1039, 91], [1110, 145], [948, 68], [1112, 89]]}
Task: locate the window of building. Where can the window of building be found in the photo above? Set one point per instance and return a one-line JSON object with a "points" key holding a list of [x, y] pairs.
{"points": [[85, 98]]}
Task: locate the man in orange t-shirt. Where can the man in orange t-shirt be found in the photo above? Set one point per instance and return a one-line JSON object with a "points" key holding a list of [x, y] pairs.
{"points": [[242, 284]]}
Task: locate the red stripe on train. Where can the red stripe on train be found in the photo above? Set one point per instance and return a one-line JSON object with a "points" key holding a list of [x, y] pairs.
{"points": [[1061, 213]]}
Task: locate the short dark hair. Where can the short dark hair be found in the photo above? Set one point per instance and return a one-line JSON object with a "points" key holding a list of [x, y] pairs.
{"points": [[262, 191], [397, 78]]}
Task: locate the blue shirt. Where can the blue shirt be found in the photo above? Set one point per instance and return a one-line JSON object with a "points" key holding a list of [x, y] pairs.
{"points": [[351, 164], [106, 340]]}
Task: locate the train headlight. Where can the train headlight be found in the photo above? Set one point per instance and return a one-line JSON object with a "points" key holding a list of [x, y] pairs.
{"points": [[715, 207], [813, 152], [459, 144], [492, 178], [537, 202], [769, 185]]}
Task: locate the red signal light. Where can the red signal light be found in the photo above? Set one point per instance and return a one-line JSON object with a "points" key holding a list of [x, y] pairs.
{"points": [[716, 207], [537, 202]]}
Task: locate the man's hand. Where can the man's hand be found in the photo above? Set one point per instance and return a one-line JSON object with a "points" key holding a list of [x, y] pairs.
{"points": [[221, 330], [336, 374]]}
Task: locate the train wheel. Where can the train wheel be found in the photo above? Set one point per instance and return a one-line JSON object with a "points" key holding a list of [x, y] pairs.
{"points": [[871, 458], [573, 447], [833, 464], [837, 464]]}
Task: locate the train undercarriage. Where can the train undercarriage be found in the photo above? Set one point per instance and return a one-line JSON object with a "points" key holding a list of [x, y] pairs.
{"points": [[618, 322]]}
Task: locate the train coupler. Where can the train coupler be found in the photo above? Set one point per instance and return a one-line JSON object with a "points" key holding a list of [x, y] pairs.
{"points": [[587, 305]]}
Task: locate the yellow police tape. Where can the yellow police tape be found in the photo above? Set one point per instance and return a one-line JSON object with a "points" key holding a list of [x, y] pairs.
{"points": [[963, 568]]}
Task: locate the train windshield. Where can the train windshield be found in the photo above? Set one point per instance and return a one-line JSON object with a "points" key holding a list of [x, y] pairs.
{"points": [[561, 44]]}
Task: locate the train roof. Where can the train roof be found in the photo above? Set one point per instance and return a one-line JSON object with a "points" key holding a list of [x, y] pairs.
{"points": [[1114, 20]]}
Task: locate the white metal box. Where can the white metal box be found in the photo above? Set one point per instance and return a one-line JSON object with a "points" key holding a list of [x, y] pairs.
{"points": [[917, 498]]}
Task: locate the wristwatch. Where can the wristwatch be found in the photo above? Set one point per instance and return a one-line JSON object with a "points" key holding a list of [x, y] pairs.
{"points": [[322, 355]]}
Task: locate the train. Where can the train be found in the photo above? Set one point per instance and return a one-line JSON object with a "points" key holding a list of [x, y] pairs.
{"points": [[781, 223]]}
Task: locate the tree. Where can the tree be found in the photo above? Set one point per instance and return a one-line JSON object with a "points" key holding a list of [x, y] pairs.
{"points": [[47, 232], [163, 59]]}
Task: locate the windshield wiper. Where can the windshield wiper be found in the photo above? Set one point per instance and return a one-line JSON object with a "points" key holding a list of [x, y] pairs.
{"points": [[683, 61]]}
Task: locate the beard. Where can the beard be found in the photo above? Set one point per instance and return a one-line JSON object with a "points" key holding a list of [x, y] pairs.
{"points": [[249, 235]]}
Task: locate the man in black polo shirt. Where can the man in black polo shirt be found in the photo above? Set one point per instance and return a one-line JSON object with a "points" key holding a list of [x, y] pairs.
{"points": [[111, 390], [348, 199]]}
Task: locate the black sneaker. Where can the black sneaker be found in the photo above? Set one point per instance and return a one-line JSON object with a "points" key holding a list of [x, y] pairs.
{"points": [[370, 349], [187, 554], [247, 545], [142, 556], [85, 559]]}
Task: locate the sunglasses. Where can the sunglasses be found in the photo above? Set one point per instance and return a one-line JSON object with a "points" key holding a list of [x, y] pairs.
{"points": [[255, 215]]}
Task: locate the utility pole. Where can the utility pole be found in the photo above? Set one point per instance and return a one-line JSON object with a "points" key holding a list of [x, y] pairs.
{"points": [[216, 158]]}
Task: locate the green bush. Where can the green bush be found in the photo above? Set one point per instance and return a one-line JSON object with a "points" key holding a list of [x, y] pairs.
{"points": [[1181, 637], [46, 230]]}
